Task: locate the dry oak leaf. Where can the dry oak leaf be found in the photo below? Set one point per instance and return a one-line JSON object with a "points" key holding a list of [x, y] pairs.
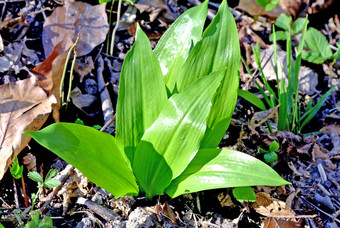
{"points": [[21, 103], [72, 19]]}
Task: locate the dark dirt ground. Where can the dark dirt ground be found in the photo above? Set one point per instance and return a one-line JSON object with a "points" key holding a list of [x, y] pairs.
{"points": [[310, 163]]}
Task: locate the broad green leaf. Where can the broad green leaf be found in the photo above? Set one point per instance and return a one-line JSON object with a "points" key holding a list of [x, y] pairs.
{"points": [[284, 21], [174, 46], [16, 169], [141, 96], [317, 43], [169, 145], [96, 154], [35, 177], [248, 96], [244, 194], [298, 25], [218, 49], [313, 57], [223, 168]]}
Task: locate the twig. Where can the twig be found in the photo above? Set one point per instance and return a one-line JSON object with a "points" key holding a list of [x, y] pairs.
{"points": [[104, 95], [325, 213], [16, 199], [108, 123], [98, 209], [24, 190]]}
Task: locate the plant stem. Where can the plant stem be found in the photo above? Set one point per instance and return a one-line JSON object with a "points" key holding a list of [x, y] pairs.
{"points": [[35, 198], [110, 19], [71, 77], [116, 27], [65, 68]]}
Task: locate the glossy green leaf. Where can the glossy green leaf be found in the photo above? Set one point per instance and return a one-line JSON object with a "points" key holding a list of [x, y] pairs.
{"points": [[169, 145], [244, 194], [284, 21], [218, 49], [223, 168], [175, 44], [317, 43], [253, 99], [16, 169], [141, 96], [96, 154]]}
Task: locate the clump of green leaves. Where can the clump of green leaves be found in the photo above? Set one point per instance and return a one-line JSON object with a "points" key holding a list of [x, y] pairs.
{"points": [[174, 105], [79, 121], [319, 50], [284, 22], [287, 97], [270, 155]]}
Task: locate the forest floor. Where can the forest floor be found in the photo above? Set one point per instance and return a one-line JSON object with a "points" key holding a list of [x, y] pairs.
{"points": [[311, 162]]}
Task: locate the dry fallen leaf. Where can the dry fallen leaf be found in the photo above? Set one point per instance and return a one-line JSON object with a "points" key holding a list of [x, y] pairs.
{"points": [[20, 103], [292, 7], [270, 207], [261, 117], [73, 18]]}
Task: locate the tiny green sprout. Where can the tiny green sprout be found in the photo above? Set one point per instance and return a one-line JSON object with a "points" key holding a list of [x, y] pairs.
{"points": [[270, 156], [16, 169], [48, 182], [79, 121], [267, 4]]}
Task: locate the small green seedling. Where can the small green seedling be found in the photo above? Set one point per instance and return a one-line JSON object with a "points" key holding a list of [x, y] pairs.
{"points": [[287, 96], [79, 121], [34, 220], [48, 182], [268, 5], [16, 169], [284, 22], [174, 106], [270, 156]]}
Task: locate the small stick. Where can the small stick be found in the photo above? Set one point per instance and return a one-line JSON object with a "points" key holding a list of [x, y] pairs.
{"points": [[116, 27], [16, 200], [325, 213], [24, 190], [98, 209]]}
